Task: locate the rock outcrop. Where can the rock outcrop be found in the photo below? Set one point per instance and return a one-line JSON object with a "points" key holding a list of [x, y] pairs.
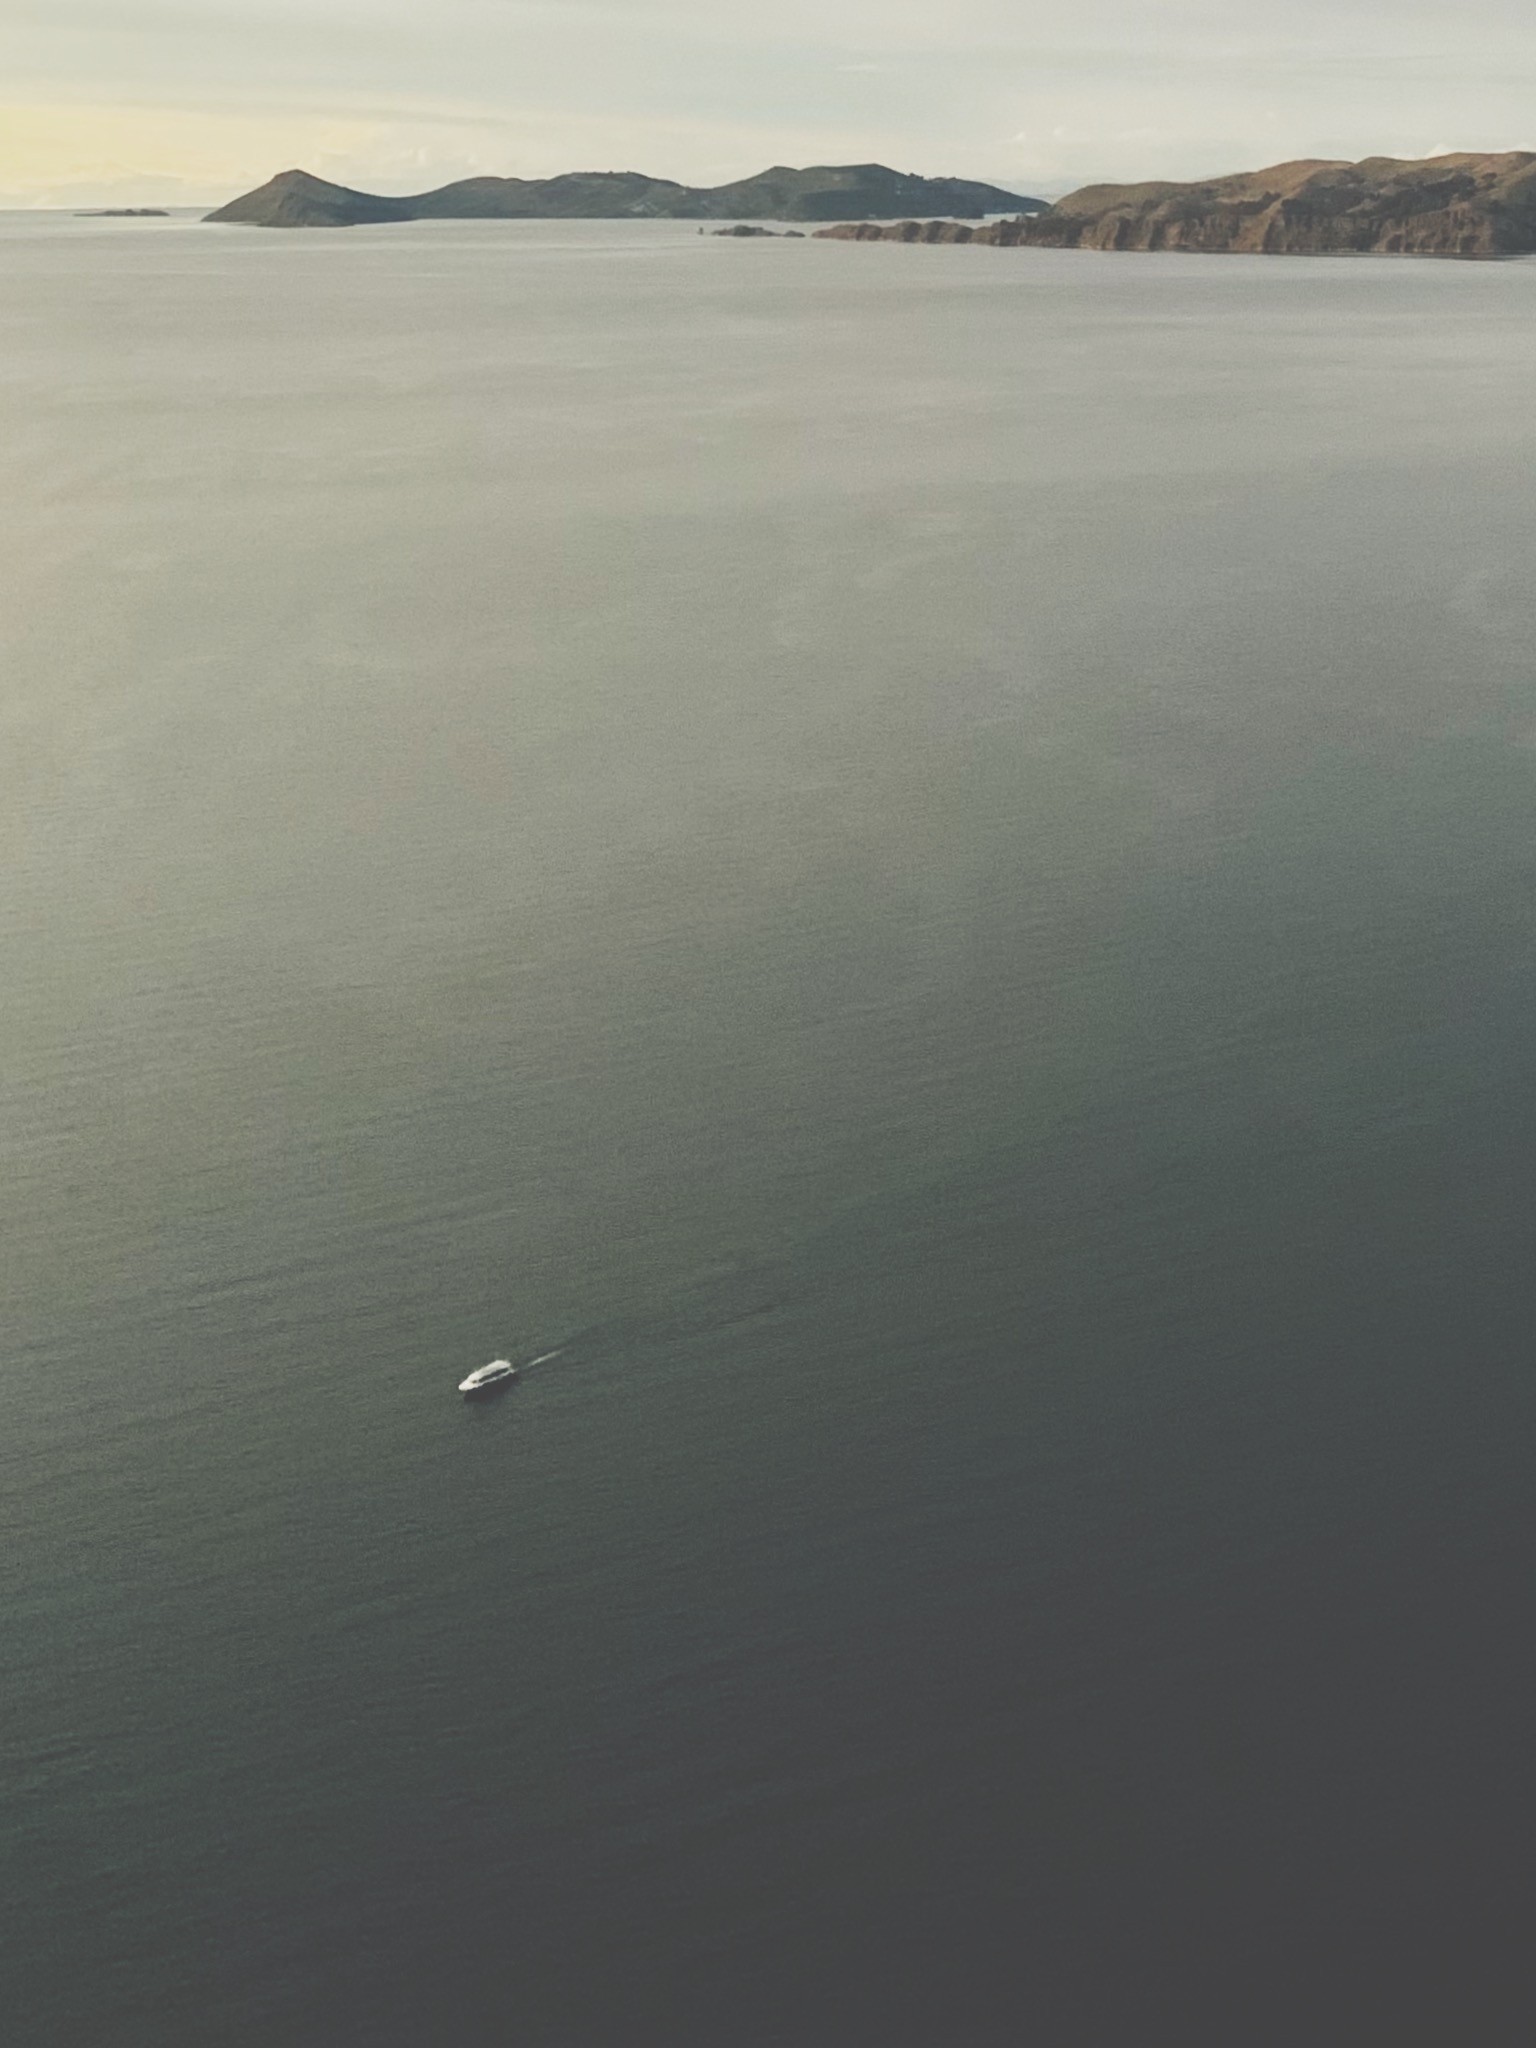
{"points": [[1438, 206], [905, 231], [296, 199]]}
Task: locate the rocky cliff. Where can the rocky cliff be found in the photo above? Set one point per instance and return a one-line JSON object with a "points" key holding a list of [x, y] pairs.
{"points": [[1439, 206], [296, 199]]}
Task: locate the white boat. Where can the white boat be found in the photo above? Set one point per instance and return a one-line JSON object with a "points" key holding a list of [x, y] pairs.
{"points": [[489, 1379]]}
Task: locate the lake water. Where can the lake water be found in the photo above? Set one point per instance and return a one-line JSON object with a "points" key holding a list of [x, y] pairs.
{"points": [[925, 857]]}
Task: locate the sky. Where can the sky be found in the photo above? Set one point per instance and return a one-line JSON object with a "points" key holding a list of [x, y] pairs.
{"points": [[167, 102]]}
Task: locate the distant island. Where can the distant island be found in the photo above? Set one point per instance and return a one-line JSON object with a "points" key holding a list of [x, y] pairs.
{"points": [[1466, 205], [122, 213], [835, 192]]}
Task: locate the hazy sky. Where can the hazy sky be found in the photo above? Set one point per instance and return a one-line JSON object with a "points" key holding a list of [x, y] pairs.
{"points": [[193, 100]]}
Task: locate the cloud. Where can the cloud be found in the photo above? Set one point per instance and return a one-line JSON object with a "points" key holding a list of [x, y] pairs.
{"points": [[389, 92]]}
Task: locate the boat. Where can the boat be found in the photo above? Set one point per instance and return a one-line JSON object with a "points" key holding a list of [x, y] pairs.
{"points": [[488, 1379]]}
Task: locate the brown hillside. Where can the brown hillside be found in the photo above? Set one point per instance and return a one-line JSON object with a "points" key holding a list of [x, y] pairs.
{"points": [[1466, 205]]}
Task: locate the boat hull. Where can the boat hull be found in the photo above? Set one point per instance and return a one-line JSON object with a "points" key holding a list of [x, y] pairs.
{"points": [[485, 1390]]}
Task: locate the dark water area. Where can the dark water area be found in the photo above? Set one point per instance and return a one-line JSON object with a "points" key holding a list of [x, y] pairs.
{"points": [[922, 857]]}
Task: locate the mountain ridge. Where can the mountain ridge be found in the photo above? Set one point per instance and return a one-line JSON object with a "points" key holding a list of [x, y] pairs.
{"points": [[1459, 204], [826, 192]]}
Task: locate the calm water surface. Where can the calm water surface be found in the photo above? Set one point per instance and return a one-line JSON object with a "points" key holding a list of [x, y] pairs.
{"points": [[925, 856]]}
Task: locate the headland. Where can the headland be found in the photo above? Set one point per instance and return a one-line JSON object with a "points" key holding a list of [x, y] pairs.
{"points": [[1455, 205], [826, 192]]}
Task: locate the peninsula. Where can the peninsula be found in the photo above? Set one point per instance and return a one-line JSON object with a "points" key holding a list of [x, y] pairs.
{"points": [[1466, 205], [836, 192]]}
